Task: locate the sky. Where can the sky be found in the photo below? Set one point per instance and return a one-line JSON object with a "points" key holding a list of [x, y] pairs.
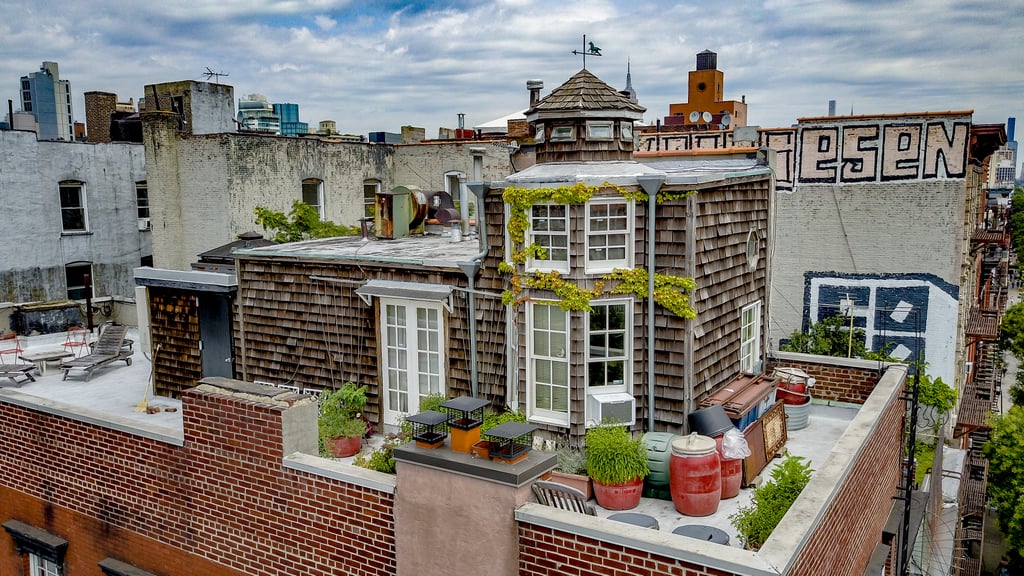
{"points": [[381, 64]]}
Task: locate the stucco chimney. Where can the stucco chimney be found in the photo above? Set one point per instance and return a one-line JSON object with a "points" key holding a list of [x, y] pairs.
{"points": [[534, 86]]}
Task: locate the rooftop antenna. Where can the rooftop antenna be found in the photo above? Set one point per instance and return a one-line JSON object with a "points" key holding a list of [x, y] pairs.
{"points": [[588, 50], [215, 75]]}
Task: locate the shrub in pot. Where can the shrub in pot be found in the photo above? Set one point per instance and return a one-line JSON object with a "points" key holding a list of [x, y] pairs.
{"points": [[341, 423], [617, 463], [572, 469]]}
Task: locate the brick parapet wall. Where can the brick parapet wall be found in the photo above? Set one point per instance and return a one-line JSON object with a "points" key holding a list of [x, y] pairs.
{"points": [[836, 380], [223, 502]]}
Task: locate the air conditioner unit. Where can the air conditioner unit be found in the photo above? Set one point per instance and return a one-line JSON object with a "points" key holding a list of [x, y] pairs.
{"points": [[144, 224], [619, 407]]}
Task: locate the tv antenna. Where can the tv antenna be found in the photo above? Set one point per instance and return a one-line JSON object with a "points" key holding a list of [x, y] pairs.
{"points": [[215, 75], [588, 50]]}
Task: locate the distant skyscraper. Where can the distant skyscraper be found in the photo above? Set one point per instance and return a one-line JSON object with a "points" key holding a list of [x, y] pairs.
{"points": [[289, 115], [628, 91], [255, 114], [48, 98]]}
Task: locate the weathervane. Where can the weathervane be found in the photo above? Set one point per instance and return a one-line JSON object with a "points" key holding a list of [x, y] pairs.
{"points": [[217, 75], [588, 50]]}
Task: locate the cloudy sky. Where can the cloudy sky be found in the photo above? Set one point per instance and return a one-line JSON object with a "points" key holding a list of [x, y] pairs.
{"points": [[380, 64]]}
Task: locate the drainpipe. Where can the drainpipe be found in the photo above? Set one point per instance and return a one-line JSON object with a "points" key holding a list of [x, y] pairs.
{"points": [[651, 183], [470, 269]]}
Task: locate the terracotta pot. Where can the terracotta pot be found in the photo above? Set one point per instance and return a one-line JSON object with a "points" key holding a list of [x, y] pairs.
{"points": [[577, 481], [623, 496], [481, 449], [344, 447]]}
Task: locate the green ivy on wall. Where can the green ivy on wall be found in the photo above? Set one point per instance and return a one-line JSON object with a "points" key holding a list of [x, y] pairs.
{"points": [[670, 292]]}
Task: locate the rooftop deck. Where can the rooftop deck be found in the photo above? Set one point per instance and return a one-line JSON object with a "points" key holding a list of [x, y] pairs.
{"points": [[111, 398]]}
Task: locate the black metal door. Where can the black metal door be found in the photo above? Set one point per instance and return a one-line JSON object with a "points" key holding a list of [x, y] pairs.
{"points": [[215, 335]]}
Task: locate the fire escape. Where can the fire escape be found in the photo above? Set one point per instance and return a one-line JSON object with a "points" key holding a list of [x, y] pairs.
{"points": [[981, 395]]}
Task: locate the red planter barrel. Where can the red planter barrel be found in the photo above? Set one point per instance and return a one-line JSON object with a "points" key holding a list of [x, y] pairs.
{"points": [[732, 471], [625, 496], [695, 475]]}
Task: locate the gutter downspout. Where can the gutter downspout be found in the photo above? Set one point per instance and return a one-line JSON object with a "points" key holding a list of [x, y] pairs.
{"points": [[470, 269], [650, 183]]}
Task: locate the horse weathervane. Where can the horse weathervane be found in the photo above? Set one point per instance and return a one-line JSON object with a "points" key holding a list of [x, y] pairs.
{"points": [[589, 49]]}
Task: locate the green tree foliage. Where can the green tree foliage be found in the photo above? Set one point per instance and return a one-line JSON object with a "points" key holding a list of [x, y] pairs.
{"points": [[1011, 330], [301, 223], [1005, 453], [1016, 220], [828, 337]]}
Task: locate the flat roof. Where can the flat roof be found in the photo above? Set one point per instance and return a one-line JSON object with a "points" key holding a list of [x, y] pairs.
{"points": [[430, 250]]}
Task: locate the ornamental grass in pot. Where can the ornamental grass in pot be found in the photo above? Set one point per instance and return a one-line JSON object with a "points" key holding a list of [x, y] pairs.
{"points": [[617, 463]]}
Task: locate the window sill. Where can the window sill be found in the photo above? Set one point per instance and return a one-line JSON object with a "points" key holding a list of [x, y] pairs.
{"points": [[76, 233]]}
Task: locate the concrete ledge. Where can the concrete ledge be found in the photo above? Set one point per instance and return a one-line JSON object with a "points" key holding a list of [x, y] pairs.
{"points": [[442, 458], [836, 361], [718, 556], [103, 420], [363, 477]]}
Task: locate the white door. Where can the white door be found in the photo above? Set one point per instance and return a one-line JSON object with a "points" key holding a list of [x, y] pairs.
{"points": [[412, 359]]}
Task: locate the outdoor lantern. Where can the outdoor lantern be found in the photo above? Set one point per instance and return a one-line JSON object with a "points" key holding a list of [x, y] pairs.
{"points": [[510, 441], [465, 415], [429, 428]]}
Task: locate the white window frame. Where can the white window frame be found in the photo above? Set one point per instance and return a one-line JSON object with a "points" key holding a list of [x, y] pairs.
{"points": [[594, 231], [83, 208], [410, 339], [319, 205], [753, 249], [626, 131], [371, 185], [538, 133], [600, 130], [563, 134], [626, 356], [39, 566], [750, 338], [536, 234], [542, 354]]}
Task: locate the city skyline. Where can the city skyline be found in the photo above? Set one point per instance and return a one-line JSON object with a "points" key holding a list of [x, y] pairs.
{"points": [[378, 66]]}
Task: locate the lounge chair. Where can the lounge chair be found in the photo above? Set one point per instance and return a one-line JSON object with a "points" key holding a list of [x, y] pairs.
{"points": [[18, 373], [561, 496], [109, 348]]}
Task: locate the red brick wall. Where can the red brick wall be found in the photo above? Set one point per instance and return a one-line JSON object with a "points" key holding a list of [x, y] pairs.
{"points": [[223, 500], [844, 539], [544, 551], [836, 383]]}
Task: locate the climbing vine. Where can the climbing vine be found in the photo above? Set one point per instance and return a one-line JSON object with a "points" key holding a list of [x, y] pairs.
{"points": [[670, 292]]}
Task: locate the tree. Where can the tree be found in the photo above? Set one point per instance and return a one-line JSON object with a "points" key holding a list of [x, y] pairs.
{"points": [[1016, 220], [1005, 453], [1011, 330], [302, 223], [829, 336]]}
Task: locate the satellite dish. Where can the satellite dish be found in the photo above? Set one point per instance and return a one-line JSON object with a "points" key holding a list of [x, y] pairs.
{"points": [[694, 116], [726, 119], [706, 116]]}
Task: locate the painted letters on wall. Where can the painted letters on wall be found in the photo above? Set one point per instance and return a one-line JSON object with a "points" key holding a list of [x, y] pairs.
{"points": [[903, 313], [849, 150]]}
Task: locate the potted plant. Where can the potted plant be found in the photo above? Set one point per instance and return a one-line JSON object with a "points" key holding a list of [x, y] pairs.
{"points": [[617, 463], [341, 423], [572, 469], [771, 501]]}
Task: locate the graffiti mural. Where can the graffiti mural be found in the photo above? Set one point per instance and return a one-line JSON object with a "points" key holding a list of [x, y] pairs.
{"points": [[848, 150], [906, 314]]}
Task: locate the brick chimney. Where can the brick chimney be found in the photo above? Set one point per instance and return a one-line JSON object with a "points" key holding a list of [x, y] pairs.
{"points": [[99, 108]]}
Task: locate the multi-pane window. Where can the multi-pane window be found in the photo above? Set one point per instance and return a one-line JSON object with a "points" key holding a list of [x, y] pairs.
{"points": [[73, 213], [370, 189], [413, 355], [142, 199], [607, 353], [548, 349], [563, 133], [600, 130], [79, 278], [750, 338], [609, 235], [549, 228], [39, 566], [313, 194]]}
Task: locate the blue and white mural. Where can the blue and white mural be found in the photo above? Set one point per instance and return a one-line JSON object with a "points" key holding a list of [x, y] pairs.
{"points": [[904, 312]]}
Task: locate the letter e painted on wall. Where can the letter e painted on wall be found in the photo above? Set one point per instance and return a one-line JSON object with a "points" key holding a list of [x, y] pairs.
{"points": [[819, 154], [901, 154], [860, 154]]}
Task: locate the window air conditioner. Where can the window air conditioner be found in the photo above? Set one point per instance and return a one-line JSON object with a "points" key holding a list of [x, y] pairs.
{"points": [[619, 407], [144, 224]]}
